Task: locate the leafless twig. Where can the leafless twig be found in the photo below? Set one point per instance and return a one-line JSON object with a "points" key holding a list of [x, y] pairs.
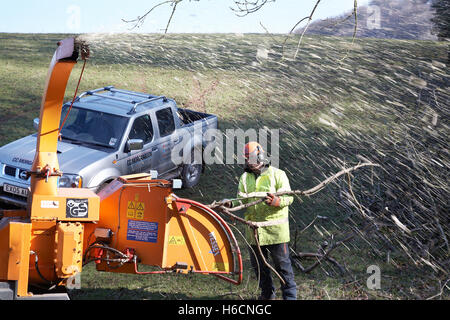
{"points": [[322, 255], [246, 7], [140, 19], [355, 13], [306, 28], [243, 8], [439, 294], [255, 234]]}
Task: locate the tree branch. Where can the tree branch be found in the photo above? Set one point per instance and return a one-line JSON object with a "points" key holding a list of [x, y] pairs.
{"points": [[309, 192], [324, 255], [306, 28], [255, 234], [140, 20], [246, 7], [355, 29]]}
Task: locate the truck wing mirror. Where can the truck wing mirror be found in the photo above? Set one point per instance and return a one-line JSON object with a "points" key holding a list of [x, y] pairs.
{"points": [[36, 123], [135, 144]]}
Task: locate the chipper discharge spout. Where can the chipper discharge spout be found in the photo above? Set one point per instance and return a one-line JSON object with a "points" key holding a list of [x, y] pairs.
{"points": [[133, 220]]}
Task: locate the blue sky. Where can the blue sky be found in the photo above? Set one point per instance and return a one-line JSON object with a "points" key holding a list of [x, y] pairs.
{"points": [[205, 16]]}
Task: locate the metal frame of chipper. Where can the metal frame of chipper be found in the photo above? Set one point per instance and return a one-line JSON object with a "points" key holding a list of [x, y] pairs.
{"points": [[133, 220]]}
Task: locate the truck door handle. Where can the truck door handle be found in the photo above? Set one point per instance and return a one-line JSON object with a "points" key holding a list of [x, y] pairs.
{"points": [[177, 140], [155, 149]]}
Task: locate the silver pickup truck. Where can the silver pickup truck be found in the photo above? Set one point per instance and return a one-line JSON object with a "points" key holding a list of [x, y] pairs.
{"points": [[108, 133]]}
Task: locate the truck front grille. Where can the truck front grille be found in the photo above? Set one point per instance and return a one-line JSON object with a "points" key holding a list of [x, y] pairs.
{"points": [[10, 171]]}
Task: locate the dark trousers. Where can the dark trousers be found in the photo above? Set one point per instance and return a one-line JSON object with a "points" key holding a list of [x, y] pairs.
{"points": [[282, 264]]}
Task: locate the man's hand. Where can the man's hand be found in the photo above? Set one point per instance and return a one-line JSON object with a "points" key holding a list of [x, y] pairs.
{"points": [[272, 200]]}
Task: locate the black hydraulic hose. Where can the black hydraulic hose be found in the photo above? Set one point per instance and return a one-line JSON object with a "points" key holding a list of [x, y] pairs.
{"points": [[37, 268]]}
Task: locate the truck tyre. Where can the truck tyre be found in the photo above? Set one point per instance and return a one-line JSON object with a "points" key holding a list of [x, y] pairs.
{"points": [[191, 172]]}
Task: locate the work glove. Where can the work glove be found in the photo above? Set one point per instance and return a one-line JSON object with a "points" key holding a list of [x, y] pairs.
{"points": [[272, 200]]}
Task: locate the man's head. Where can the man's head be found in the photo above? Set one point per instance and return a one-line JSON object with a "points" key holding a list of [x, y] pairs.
{"points": [[254, 156]]}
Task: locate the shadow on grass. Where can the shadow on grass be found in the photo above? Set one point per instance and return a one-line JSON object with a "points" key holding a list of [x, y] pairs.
{"points": [[138, 294]]}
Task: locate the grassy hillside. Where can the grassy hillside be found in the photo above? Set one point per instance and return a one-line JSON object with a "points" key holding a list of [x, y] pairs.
{"points": [[385, 19], [382, 100]]}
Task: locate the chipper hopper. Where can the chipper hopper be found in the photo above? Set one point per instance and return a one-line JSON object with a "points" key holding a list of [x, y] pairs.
{"points": [[133, 221]]}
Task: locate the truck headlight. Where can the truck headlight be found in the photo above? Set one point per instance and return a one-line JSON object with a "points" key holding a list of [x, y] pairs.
{"points": [[70, 181]]}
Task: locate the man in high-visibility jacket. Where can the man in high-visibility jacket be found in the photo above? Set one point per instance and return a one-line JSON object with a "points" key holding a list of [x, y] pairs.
{"points": [[272, 218]]}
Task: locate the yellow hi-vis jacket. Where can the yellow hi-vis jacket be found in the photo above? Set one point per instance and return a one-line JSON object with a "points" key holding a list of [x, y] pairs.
{"points": [[273, 222]]}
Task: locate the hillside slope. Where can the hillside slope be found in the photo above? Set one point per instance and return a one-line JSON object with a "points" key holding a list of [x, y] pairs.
{"points": [[387, 19]]}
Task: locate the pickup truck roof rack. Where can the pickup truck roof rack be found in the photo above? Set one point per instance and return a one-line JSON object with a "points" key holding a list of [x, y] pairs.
{"points": [[148, 98]]}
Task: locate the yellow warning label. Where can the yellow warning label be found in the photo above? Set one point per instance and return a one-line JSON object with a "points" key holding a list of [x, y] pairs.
{"points": [[220, 266], [139, 214], [177, 240], [130, 214], [135, 209]]}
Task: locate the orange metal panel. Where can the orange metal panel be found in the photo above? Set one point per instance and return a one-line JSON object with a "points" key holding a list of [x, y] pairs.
{"points": [[61, 207], [138, 219], [4, 248], [15, 252], [68, 251], [43, 245], [13, 213]]}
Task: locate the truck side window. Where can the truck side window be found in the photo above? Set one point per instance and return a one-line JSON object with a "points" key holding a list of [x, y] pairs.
{"points": [[166, 123], [142, 129]]}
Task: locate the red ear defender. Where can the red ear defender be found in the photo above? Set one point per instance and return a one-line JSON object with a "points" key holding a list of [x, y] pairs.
{"points": [[260, 153]]}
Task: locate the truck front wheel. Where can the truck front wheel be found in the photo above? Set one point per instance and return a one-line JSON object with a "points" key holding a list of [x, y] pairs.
{"points": [[191, 173]]}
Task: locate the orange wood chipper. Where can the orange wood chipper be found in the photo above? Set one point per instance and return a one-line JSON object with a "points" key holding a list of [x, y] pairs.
{"points": [[134, 220]]}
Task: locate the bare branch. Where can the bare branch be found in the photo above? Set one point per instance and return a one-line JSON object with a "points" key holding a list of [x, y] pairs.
{"points": [[290, 32], [246, 7], [255, 234], [309, 192], [324, 255], [355, 29], [243, 8], [306, 28], [140, 20], [268, 33], [171, 15]]}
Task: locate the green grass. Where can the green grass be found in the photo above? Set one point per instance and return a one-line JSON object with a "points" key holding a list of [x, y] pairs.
{"points": [[326, 108]]}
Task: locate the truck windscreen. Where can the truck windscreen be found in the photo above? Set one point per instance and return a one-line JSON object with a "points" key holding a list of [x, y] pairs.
{"points": [[92, 127]]}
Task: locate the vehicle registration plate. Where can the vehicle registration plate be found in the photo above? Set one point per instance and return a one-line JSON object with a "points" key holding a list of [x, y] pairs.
{"points": [[15, 190]]}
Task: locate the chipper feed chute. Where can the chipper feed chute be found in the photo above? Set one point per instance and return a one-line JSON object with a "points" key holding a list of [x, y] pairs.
{"points": [[141, 221]]}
